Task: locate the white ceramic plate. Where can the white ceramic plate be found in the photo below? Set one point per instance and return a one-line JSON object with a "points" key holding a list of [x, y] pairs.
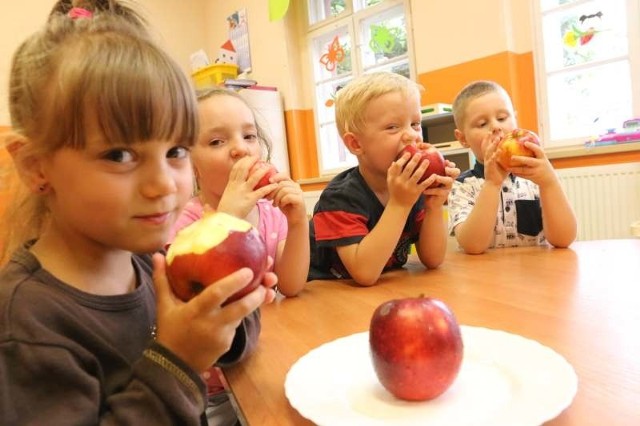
{"points": [[505, 380]]}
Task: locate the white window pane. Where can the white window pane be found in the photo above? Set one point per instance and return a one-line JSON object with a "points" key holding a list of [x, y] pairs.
{"points": [[334, 154], [400, 67], [319, 10], [550, 4], [325, 94], [384, 37], [363, 4], [585, 103], [332, 54], [590, 32]]}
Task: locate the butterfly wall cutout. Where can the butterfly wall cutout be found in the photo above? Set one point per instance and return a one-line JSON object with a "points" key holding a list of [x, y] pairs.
{"points": [[335, 54]]}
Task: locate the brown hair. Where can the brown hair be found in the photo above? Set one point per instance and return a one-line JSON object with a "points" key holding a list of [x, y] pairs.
{"points": [[470, 92], [104, 67]]}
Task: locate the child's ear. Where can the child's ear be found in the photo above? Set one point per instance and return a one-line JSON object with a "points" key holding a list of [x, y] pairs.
{"points": [[27, 163], [461, 138], [352, 143]]}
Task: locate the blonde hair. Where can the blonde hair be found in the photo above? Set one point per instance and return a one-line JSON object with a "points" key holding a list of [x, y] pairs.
{"points": [[470, 92], [352, 100], [263, 138], [105, 68]]}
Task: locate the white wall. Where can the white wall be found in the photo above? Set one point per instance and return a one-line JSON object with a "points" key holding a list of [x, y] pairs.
{"points": [[180, 27]]}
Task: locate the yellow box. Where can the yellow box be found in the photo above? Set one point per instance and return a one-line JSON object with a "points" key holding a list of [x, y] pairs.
{"points": [[214, 75]]}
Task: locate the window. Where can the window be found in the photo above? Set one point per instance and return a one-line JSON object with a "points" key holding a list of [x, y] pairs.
{"points": [[587, 67], [348, 38]]}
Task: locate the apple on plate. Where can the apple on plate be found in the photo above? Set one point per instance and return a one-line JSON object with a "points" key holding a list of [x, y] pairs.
{"points": [[416, 347], [264, 180], [212, 248], [513, 144], [428, 152]]}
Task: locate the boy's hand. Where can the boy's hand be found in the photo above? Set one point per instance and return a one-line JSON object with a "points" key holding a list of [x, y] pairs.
{"points": [[403, 176], [239, 197], [201, 331], [436, 197], [538, 170], [493, 172]]}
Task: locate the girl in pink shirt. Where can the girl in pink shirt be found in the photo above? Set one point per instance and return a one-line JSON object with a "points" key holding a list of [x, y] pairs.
{"points": [[226, 162]]}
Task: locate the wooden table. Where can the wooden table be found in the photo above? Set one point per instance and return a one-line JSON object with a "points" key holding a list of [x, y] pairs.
{"points": [[583, 302]]}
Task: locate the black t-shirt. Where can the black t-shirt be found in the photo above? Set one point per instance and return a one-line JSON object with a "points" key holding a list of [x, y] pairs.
{"points": [[345, 213]]}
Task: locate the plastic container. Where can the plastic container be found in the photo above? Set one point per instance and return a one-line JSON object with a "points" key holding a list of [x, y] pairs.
{"points": [[214, 75]]}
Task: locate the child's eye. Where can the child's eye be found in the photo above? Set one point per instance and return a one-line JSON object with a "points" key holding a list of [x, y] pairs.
{"points": [[216, 142], [118, 156], [417, 126], [251, 137], [178, 152]]}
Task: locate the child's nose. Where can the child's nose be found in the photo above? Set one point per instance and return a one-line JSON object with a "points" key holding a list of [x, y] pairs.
{"points": [[239, 150], [411, 136]]}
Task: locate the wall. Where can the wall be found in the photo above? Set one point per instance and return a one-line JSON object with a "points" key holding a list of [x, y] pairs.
{"points": [[181, 30]]}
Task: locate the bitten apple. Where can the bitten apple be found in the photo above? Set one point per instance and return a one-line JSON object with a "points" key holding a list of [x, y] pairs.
{"points": [[428, 152], [212, 248], [513, 144], [416, 347], [264, 180]]}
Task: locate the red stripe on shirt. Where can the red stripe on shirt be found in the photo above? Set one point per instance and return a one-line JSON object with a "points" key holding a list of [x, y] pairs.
{"points": [[338, 224]]}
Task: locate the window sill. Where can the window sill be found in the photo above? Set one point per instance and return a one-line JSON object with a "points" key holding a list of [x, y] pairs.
{"points": [[582, 151]]}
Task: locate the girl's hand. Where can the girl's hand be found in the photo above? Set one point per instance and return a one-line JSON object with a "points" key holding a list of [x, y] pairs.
{"points": [[201, 331], [239, 197], [289, 198]]}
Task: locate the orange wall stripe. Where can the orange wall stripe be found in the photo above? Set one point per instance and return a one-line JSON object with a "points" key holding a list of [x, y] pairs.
{"points": [[301, 144], [513, 71]]}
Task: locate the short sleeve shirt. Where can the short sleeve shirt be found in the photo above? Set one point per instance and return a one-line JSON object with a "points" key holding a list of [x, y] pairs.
{"points": [[519, 219], [346, 212], [272, 223]]}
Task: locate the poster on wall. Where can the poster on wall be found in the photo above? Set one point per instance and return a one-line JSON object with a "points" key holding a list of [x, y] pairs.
{"points": [[239, 36]]}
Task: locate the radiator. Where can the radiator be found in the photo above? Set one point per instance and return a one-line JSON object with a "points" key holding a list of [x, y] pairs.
{"points": [[606, 199]]}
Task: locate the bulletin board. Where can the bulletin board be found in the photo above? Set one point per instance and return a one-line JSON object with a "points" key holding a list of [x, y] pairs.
{"points": [[239, 36]]}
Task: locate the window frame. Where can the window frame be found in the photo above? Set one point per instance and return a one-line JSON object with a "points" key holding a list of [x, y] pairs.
{"points": [[352, 19], [542, 75]]}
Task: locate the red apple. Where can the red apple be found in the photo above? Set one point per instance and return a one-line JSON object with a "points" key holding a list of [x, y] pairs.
{"points": [[212, 248], [416, 347], [513, 144], [264, 180], [428, 152]]}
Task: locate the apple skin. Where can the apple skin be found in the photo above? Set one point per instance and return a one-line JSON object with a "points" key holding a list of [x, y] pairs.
{"points": [[513, 144], [264, 181], [416, 347], [428, 152], [212, 248]]}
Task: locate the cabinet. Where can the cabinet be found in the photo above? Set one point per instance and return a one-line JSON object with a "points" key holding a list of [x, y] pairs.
{"points": [[269, 110], [438, 130]]}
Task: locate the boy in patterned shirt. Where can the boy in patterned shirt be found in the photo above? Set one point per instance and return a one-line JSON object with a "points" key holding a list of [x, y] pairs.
{"points": [[493, 207]]}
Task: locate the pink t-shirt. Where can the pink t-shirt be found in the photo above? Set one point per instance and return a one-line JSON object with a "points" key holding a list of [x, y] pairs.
{"points": [[272, 226], [272, 223]]}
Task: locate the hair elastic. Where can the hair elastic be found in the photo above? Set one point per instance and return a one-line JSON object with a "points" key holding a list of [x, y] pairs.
{"points": [[79, 12]]}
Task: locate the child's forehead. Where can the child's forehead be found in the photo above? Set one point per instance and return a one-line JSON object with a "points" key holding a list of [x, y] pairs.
{"points": [[488, 101]]}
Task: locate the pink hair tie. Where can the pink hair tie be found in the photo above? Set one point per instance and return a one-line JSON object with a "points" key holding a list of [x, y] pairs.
{"points": [[79, 12]]}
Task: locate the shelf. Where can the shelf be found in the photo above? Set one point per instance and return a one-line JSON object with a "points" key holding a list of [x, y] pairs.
{"points": [[436, 119]]}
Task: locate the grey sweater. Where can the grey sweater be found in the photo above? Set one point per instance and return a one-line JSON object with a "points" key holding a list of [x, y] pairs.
{"points": [[73, 358]]}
